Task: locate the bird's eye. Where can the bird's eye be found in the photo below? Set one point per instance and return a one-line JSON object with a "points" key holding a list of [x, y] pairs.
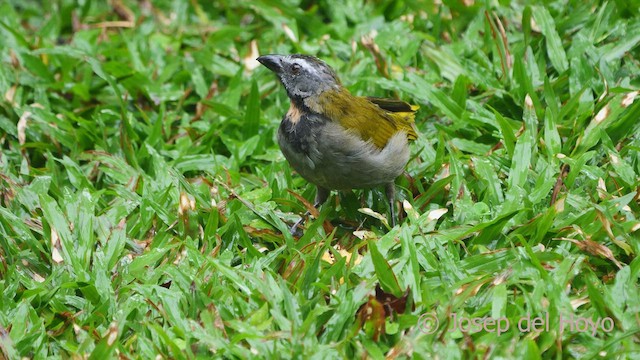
{"points": [[295, 69]]}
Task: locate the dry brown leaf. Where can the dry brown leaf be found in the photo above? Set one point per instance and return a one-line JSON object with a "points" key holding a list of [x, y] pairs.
{"points": [[376, 215], [310, 208], [436, 214], [112, 336], [113, 24], [606, 224], [10, 94], [628, 99], [187, 202], [602, 189], [250, 62], [290, 34], [576, 303], [55, 247], [602, 114], [594, 248], [123, 12], [371, 317], [22, 127]]}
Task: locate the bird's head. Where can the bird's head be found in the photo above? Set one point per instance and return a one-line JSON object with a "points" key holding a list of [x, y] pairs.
{"points": [[303, 76]]}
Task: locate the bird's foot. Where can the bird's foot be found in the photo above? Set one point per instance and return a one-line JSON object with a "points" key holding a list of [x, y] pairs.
{"points": [[295, 229]]}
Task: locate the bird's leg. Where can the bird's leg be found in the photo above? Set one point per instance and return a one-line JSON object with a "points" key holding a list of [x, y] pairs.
{"points": [[390, 189], [321, 196]]}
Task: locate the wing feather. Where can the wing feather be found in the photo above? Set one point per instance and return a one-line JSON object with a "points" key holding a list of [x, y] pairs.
{"points": [[374, 119]]}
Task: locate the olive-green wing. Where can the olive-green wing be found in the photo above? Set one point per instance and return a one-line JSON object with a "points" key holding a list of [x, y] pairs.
{"points": [[374, 119], [392, 105], [402, 112]]}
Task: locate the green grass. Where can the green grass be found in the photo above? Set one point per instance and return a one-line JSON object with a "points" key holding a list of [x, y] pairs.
{"points": [[144, 202]]}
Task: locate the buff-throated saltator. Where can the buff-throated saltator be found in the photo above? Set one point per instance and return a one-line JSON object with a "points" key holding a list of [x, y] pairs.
{"points": [[334, 139]]}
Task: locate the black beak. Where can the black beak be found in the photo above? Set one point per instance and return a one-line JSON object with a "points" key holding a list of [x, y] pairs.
{"points": [[272, 62]]}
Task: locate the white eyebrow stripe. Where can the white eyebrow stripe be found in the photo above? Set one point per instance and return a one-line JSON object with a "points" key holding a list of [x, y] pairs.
{"points": [[306, 65]]}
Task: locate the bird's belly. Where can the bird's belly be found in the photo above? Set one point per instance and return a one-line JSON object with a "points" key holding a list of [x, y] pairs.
{"points": [[337, 159]]}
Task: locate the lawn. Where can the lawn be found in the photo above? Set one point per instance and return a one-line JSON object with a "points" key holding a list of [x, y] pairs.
{"points": [[145, 203]]}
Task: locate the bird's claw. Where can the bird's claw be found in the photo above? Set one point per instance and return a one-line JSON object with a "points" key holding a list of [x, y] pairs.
{"points": [[295, 229]]}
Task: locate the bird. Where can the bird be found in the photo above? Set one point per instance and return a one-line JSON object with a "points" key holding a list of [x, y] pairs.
{"points": [[336, 140]]}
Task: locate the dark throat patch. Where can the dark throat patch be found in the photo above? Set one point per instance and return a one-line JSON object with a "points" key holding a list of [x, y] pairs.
{"points": [[298, 128]]}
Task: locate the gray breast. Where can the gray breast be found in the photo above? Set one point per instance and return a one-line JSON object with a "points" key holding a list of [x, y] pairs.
{"points": [[326, 154]]}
